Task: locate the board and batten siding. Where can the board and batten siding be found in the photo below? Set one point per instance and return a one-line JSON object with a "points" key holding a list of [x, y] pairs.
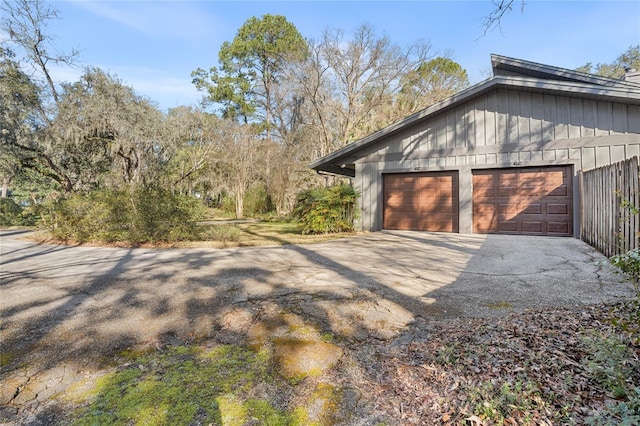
{"points": [[502, 128]]}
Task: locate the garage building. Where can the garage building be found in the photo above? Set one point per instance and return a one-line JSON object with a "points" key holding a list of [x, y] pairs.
{"points": [[499, 157]]}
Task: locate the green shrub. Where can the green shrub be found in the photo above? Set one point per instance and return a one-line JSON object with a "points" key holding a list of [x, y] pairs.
{"points": [[628, 320], [9, 212], [13, 214], [612, 362], [228, 205], [134, 215], [629, 264], [256, 201], [326, 210]]}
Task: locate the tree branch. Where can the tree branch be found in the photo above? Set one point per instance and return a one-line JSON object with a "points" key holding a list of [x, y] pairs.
{"points": [[501, 8]]}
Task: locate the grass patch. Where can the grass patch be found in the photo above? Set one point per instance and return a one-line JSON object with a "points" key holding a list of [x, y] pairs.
{"points": [[258, 234], [184, 385], [222, 233], [226, 235], [279, 233], [6, 358], [501, 305]]}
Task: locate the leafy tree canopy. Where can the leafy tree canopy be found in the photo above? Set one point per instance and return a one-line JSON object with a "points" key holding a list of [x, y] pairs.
{"points": [[616, 69], [250, 66], [431, 82]]}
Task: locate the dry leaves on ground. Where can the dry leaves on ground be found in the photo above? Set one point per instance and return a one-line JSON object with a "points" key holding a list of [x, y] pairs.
{"points": [[554, 366]]}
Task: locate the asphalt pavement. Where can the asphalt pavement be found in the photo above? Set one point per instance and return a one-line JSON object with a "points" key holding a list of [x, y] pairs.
{"points": [[66, 309]]}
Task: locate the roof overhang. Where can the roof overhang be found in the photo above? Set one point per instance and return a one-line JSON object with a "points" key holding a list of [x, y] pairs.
{"points": [[503, 65], [343, 169], [342, 160]]}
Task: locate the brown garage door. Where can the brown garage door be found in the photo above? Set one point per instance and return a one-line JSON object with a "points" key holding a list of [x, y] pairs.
{"points": [[528, 201], [421, 201]]}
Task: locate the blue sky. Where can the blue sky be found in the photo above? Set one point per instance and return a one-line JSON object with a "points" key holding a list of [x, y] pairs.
{"points": [[154, 45]]}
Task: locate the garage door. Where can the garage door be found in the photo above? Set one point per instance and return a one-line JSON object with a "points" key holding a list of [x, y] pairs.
{"points": [[421, 201], [528, 201]]}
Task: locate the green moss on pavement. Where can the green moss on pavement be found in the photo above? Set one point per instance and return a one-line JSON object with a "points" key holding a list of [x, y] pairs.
{"points": [[181, 386]]}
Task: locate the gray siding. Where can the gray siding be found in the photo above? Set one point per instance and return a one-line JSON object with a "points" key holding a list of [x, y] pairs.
{"points": [[510, 117], [503, 128]]}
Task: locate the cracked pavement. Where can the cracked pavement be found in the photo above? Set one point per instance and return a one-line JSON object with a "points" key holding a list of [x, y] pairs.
{"points": [[66, 311]]}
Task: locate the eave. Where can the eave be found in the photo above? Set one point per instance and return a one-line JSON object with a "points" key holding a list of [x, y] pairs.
{"points": [[341, 161], [503, 65]]}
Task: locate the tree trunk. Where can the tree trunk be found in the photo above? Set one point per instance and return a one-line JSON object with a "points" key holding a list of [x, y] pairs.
{"points": [[239, 204], [5, 187]]}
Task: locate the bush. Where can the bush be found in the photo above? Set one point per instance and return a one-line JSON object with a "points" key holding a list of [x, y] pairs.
{"points": [[134, 215], [612, 361], [326, 210], [629, 320], [629, 264], [256, 201], [13, 214]]}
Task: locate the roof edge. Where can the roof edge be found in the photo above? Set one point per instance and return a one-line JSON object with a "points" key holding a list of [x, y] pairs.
{"points": [[506, 62], [527, 83]]}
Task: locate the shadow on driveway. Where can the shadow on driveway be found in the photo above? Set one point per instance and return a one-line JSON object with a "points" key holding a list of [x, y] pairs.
{"points": [[68, 310]]}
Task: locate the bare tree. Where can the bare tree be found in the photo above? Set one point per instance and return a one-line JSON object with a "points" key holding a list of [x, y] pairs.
{"points": [[26, 22], [239, 160], [349, 86]]}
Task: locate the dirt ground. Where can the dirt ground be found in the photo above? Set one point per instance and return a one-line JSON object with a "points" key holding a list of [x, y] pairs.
{"points": [[68, 311]]}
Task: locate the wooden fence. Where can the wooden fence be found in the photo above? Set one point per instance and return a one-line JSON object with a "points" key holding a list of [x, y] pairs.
{"points": [[609, 216]]}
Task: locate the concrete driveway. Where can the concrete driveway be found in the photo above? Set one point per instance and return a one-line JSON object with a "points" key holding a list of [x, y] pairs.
{"points": [[65, 309], [145, 292]]}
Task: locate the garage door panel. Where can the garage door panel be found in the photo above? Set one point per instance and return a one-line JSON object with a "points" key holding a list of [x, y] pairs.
{"points": [[507, 191], [428, 208], [535, 201], [484, 227], [437, 224], [532, 227], [485, 210], [534, 184], [486, 181], [394, 185], [533, 209], [399, 221], [555, 180], [486, 192], [424, 185], [409, 207], [429, 201], [395, 199], [558, 209], [428, 193], [447, 208], [508, 210], [560, 191], [508, 226], [559, 228]]}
